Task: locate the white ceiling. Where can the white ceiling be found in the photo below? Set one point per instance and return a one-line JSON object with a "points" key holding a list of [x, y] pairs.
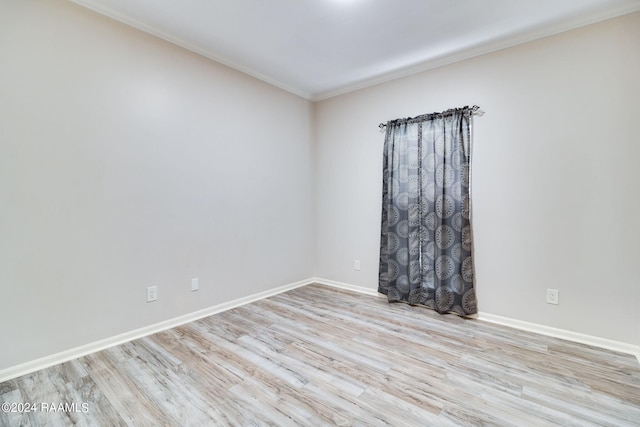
{"points": [[321, 48]]}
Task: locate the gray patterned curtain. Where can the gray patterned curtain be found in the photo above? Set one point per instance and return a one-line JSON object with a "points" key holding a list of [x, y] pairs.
{"points": [[426, 242]]}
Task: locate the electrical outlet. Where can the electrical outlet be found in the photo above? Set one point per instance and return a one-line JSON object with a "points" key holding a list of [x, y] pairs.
{"points": [[152, 293], [194, 284], [356, 264], [552, 296]]}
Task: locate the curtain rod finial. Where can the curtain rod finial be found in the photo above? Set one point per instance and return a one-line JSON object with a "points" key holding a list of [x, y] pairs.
{"points": [[477, 111]]}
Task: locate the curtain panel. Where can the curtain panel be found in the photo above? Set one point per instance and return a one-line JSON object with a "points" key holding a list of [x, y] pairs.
{"points": [[426, 240]]}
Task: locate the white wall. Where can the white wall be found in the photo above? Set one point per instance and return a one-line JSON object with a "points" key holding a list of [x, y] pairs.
{"points": [[127, 162], [556, 182]]}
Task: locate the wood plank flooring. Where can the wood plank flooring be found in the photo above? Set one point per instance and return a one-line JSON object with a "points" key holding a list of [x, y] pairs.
{"points": [[322, 356]]}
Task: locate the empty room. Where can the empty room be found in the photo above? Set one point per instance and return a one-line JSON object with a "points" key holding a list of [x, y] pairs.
{"points": [[319, 212]]}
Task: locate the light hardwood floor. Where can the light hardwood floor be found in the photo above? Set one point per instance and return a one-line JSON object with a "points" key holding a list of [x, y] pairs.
{"points": [[322, 356]]}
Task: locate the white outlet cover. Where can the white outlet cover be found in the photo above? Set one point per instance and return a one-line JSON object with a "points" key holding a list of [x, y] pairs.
{"points": [[152, 293], [194, 284]]}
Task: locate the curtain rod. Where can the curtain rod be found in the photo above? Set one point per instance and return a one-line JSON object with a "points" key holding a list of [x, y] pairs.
{"points": [[474, 110]]}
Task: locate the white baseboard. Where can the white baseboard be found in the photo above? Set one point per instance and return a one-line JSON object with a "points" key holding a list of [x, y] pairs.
{"points": [[65, 356], [83, 350], [564, 334], [347, 286]]}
